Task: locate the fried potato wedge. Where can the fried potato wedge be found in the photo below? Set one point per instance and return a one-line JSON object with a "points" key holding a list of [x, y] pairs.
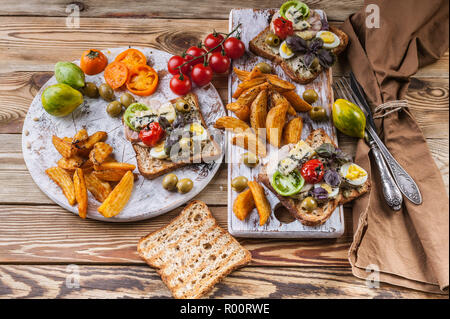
{"points": [[292, 131], [243, 204], [251, 142], [241, 74], [110, 175], [296, 101], [71, 163], [115, 166], [256, 72], [278, 84], [258, 111], [66, 149], [242, 105], [68, 139], [242, 111], [79, 184], [119, 196], [232, 124], [275, 121], [247, 84], [261, 202], [63, 179], [85, 147], [100, 153], [99, 189], [277, 98], [80, 136]]}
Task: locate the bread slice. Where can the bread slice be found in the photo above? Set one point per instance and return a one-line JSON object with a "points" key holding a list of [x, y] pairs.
{"points": [[303, 76], [193, 252], [322, 213], [151, 168]]}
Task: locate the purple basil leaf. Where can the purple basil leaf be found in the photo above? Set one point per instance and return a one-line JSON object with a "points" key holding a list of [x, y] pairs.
{"points": [[315, 44], [332, 178], [326, 58], [308, 58], [297, 44], [325, 25], [319, 193]]}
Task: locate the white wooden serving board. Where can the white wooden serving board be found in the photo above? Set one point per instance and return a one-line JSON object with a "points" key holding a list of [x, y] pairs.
{"points": [[252, 22], [148, 199]]}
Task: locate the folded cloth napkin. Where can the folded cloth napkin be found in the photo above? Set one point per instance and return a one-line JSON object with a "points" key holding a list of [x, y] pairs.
{"points": [[409, 247]]}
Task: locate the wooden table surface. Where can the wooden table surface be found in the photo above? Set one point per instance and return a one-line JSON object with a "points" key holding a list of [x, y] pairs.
{"points": [[38, 239]]}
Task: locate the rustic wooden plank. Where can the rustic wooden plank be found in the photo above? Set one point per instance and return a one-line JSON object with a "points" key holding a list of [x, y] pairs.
{"points": [[22, 39], [159, 8], [50, 281], [17, 90], [22, 189], [50, 234]]}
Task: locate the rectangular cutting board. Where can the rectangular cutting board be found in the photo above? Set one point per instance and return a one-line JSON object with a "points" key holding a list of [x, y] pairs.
{"points": [[252, 22]]}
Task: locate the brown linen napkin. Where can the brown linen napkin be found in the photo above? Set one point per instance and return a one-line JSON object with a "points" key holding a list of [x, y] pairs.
{"points": [[410, 247]]}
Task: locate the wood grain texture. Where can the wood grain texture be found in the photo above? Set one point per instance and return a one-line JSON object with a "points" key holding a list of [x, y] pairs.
{"points": [[43, 281], [22, 39], [50, 234], [203, 9]]}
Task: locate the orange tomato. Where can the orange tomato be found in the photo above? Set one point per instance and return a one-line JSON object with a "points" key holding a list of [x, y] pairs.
{"points": [[131, 58], [93, 62], [142, 80], [116, 74]]}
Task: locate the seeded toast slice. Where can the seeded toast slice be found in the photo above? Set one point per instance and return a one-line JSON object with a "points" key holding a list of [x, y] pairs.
{"points": [[322, 213], [193, 252], [151, 168], [303, 76]]}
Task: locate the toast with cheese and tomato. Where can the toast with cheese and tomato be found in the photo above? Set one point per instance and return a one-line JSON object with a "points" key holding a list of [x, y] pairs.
{"points": [[167, 136]]}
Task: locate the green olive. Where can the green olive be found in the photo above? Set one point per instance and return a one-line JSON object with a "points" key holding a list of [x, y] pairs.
{"points": [[182, 106], [239, 183], [114, 108], [250, 159], [309, 204], [106, 92], [273, 40], [90, 90], [318, 114], [264, 67], [310, 96], [169, 182], [184, 185], [126, 99]]}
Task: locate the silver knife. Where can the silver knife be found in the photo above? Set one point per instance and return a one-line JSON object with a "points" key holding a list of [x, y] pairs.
{"points": [[391, 192], [405, 182]]}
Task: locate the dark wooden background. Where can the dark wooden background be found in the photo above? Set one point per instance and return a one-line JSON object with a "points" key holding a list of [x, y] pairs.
{"points": [[38, 239]]}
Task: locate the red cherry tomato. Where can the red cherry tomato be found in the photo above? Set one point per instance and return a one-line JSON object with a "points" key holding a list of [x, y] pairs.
{"points": [[313, 171], [234, 48], [180, 84], [151, 135], [193, 52], [201, 74], [175, 62], [283, 27], [219, 63], [212, 40]]}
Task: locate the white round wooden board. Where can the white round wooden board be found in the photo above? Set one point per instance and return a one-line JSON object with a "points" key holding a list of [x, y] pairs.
{"points": [[148, 199]]}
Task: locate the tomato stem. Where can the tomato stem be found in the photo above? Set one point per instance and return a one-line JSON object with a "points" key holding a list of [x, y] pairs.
{"points": [[205, 55]]}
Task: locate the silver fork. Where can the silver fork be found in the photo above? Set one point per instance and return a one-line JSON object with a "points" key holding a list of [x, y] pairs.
{"points": [[391, 192]]}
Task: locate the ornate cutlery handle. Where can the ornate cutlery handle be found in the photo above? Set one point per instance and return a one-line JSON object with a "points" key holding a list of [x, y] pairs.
{"points": [[391, 192], [404, 181]]}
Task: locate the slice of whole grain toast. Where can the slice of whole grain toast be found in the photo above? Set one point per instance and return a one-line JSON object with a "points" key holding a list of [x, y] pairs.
{"points": [[193, 252], [290, 66], [323, 212], [151, 168]]}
